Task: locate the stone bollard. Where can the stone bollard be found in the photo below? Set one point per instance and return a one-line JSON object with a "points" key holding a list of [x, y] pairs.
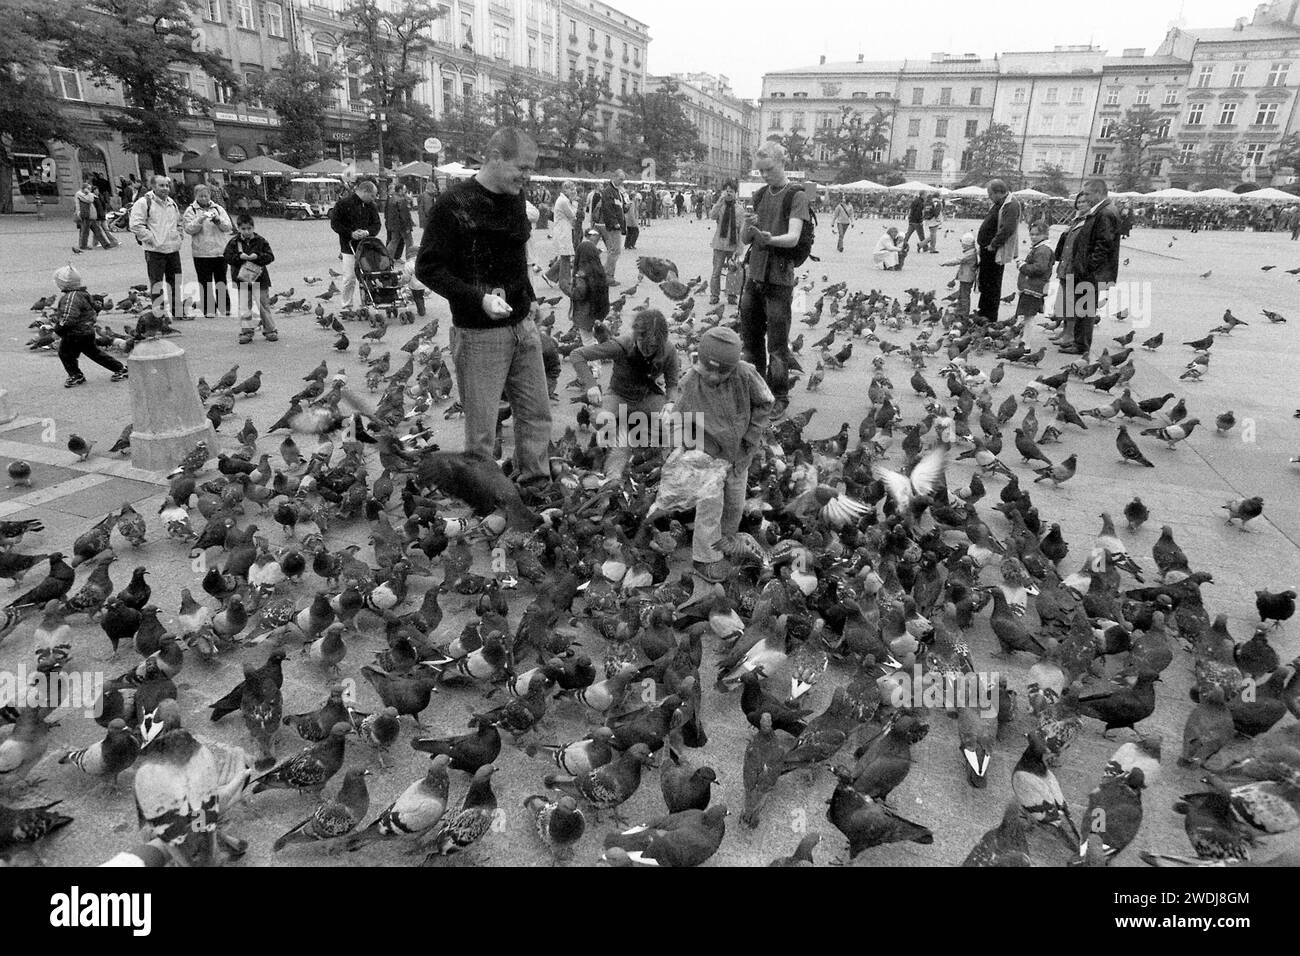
{"points": [[7, 413], [165, 407]]}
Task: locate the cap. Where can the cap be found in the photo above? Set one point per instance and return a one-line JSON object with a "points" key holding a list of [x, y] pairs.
{"points": [[719, 349], [968, 239], [67, 278]]}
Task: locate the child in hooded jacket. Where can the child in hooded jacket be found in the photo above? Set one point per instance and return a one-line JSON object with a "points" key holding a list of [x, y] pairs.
{"points": [[74, 323], [965, 277], [246, 246]]}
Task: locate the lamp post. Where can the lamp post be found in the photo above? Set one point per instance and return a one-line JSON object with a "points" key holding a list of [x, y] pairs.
{"points": [[380, 119]]}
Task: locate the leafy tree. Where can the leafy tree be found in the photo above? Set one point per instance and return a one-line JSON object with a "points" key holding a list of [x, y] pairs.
{"points": [[387, 42], [137, 46], [657, 126], [299, 92], [994, 154], [29, 109], [1287, 152], [797, 152], [1051, 179], [520, 102], [464, 128], [1220, 169], [570, 115], [1143, 137], [853, 143]]}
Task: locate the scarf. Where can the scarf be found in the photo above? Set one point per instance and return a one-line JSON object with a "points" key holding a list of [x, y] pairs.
{"points": [[727, 226]]}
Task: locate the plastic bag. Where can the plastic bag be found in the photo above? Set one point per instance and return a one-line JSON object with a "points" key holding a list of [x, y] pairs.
{"points": [[689, 476]]}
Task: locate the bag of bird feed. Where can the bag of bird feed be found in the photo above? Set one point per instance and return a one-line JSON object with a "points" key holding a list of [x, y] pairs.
{"points": [[690, 475]]}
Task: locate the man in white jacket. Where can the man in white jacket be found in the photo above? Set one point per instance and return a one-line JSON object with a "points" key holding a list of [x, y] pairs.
{"points": [[155, 223], [209, 228]]}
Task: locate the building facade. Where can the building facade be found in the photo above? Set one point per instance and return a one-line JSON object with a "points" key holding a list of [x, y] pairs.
{"points": [[943, 103], [1130, 82], [724, 123], [598, 40]]}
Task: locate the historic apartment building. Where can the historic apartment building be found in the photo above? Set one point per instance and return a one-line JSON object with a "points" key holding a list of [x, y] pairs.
{"points": [[725, 123]]}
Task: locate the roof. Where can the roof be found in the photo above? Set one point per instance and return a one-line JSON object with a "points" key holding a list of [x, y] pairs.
{"points": [[947, 67], [1154, 62], [1251, 31], [851, 66]]}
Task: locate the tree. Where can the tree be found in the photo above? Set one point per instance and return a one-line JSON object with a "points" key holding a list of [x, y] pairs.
{"points": [[299, 92], [29, 109], [657, 126], [797, 152], [520, 102], [464, 128], [994, 154], [387, 43], [1287, 152], [570, 112], [1220, 168], [1051, 179], [137, 46], [1142, 137], [854, 142]]}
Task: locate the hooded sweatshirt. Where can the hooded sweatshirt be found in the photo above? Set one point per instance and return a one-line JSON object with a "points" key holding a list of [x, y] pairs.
{"points": [[735, 411]]}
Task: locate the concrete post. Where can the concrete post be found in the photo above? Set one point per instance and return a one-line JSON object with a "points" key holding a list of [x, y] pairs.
{"points": [[165, 407], [7, 413]]}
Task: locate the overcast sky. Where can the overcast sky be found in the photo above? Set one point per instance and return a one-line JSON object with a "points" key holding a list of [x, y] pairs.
{"points": [[745, 40]]}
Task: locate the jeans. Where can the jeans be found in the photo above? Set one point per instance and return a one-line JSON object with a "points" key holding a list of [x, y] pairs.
{"points": [[619, 452], [613, 240], [509, 359], [719, 516], [963, 297], [841, 228], [919, 229], [349, 290], [93, 227], [720, 260], [765, 331], [83, 343], [164, 270], [1082, 302], [210, 271], [255, 298], [398, 244], [633, 234], [990, 286]]}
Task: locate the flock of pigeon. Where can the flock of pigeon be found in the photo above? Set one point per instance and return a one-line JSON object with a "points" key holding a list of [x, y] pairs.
{"points": [[591, 659]]}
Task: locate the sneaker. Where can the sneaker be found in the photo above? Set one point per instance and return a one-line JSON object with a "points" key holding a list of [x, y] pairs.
{"points": [[245, 336], [1070, 350], [714, 572], [271, 336], [74, 380], [121, 376], [713, 300]]}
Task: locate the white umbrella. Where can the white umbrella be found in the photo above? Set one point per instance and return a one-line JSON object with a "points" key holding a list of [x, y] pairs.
{"points": [[971, 192], [1217, 194], [1267, 195], [455, 170], [914, 187], [1028, 193]]}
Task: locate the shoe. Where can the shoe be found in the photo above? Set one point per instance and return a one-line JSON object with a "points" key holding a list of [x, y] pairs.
{"points": [[714, 572], [1070, 350], [779, 407], [713, 300], [271, 336], [121, 376], [731, 300], [245, 336], [74, 380]]}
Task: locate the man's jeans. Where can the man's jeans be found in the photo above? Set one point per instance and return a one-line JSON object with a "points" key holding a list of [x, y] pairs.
{"points": [[919, 229], [613, 240], [164, 270], [720, 259], [719, 516], [765, 331], [506, 359], [619, 452]]}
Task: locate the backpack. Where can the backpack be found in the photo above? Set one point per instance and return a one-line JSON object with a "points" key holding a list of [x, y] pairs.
{"points": [[147, 213], [802, 250]]}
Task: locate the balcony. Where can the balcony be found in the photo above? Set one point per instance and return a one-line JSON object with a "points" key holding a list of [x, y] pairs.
{"points": [[1263, 127]]}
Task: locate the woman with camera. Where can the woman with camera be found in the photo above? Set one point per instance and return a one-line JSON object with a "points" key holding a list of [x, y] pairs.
{"points": [[209, 228]]}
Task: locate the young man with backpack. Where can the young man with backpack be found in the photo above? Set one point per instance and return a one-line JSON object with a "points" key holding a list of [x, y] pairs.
{"points": [[779, 232]]}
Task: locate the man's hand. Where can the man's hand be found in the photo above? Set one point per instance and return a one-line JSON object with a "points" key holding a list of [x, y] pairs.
{"points": [[495, 307], [593, 395], [761, 237], [248, 256], [360, 233]]}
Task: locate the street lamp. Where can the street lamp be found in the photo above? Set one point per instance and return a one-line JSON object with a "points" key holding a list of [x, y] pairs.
{"points": [[380, 119]]}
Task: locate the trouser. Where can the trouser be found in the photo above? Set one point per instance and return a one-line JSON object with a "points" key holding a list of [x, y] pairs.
{"points": [[620, 450], [210, 271], [841, 228], [255, 298], [505, 359], [398, 244], [699, 212], [930, 243], [1028, 305], [613, 240], [417, 296], [1295, 232], [164, 269], [765, 331], [83, 343], [719, 515], [1082, 299], [919, 229], [1064, 311], [349, 290], [990, 286], [93, 227], [633, 233], [720, 259], [963, 297]]}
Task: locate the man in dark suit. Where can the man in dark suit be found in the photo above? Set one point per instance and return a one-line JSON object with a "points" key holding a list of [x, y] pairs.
{"points": [[1094, 263], [998, 241]]}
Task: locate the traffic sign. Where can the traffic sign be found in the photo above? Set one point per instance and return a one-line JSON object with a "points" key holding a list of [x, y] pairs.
{"points": [[433, 145]]}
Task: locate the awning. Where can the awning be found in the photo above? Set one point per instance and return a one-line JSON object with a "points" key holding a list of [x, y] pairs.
{"points": [[265, 166], [325, 167], [417, 168], [209, 161]]}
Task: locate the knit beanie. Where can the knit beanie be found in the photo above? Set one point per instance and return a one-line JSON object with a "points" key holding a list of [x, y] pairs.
{"points": [[67, 278], [719, 349], [968, 239]]}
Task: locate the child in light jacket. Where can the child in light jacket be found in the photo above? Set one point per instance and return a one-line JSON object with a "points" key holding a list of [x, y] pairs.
{"points": [[244, 248], [1034, 272], [965, 277]]}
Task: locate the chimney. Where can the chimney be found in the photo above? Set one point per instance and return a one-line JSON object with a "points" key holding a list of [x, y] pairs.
{"points": [[823, 59], [1239, 25], [1261, 13], [860, 55]]}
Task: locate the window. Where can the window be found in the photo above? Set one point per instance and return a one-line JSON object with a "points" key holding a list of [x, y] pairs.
{"points": [[1156, 166], [1277, 74], [548, 56], [1254, 154], [941, 128], [1050, 96], [244, 10], [909, 159], [1067, 159], [1019, 95], [573, 29], [1107, 129], [976, 94], [591, 35], [1162, 129], [500, 41], [918, 96], [1238, 78], [66, 83], [1267, 114], [1195, 113], [1112, 97], [220, 92], [622, 86], [1171, 97], [972, 128], [636, 86], [936, 160], [212, 10], [1186, 153], [1214, 155], [965, 160], [1047, 122], [186, 82], [1072, 123], [914, 127], [251, 80], [442, 25], [532, 55], [1205, 77], [274, 14], [1076, 94], [609, 45], [609, 77], [236, 153], [1143, 97], [796, 120], [448, 92], [775, 121], [1228, 114], [467, 30], [826, 120], [801, 96], [354, 81], [625, 57], [1099, 164], [467, 89], [945, 96], [573, 68]]}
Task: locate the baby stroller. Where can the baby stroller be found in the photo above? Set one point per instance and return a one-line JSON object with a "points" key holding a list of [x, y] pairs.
{"points": [[377, 274]]}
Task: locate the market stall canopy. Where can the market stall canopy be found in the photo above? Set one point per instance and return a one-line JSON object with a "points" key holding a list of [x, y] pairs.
{"points": [[1030, 193], [862, 185], [326, 167], [417, 168], [916, 187], [1217, 194], [265, 166], [971, 192], [1267, 195], [1171, 193], [208, 161], [367, 167], [455, 170]]}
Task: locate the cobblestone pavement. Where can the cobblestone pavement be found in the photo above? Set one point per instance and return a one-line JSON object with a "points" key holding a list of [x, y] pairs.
{"points": [[1253, 373]]}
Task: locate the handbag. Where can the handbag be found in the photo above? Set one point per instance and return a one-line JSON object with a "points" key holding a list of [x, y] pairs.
{"points": [[248, 272]]}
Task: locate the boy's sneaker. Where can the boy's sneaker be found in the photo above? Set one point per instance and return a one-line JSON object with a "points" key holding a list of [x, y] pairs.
{"points": [[74, 380], [271, 336], [245, 336], [121, 376]]}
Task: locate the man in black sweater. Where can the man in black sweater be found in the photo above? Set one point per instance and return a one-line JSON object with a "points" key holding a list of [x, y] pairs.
{"points": [[474, 254], [354, 218]]}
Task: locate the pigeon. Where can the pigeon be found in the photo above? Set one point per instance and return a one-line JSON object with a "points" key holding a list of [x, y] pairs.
{"points": [[416, 810], [1136, 513], [1129, 450], [458, 831], [1243, 510], [1006, 845], [686, 838], [559, 823], [1057, 474], [1173, 434], [1039, 793], [80, 447], [1114, 812], [332, 818], [311, 768]]}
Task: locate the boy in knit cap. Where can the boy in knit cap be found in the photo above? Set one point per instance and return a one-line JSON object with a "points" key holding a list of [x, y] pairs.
{"points": [[965, 277], [74, 323], [732, 402]]}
